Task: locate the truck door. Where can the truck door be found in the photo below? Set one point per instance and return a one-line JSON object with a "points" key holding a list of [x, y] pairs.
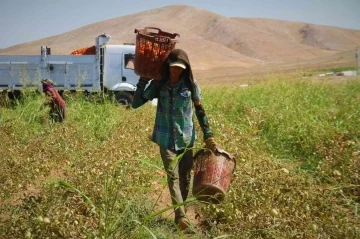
{"points": [[112, 68], [119, 72]]}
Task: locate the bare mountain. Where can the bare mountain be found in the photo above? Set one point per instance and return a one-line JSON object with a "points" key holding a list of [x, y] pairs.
{"points": [[211, 40]]}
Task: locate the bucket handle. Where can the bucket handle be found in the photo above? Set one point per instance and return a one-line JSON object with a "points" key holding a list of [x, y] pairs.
{"points": [[229, 156], [221, 151]]}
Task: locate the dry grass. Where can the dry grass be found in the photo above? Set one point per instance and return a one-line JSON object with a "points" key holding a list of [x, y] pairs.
{"points": [[296, 144]]}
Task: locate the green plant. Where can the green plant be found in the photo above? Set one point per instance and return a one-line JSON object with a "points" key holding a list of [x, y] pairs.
{"points": [[296, 142]]}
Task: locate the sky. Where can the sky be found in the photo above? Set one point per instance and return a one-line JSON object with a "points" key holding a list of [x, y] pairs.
{"points": [[28, 20]]}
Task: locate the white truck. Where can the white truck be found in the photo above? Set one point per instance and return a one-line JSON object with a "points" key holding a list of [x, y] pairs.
{"points": [[110, 70]]}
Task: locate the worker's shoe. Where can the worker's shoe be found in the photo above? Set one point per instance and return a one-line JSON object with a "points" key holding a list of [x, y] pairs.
{"points": [[183, 224]]}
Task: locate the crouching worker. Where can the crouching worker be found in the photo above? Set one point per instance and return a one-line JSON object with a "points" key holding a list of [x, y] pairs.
{"points": [[174, 130], [54, 101]]}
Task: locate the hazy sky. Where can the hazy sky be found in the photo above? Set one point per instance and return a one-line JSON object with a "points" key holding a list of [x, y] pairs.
{"points": [[28, 20]]}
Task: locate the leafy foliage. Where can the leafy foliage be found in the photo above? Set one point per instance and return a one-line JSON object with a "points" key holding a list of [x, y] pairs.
{"points": [[92, 176]]}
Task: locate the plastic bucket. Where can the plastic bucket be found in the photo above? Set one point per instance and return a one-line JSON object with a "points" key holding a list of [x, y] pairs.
{"points": [[212, 175], [152, 48]]}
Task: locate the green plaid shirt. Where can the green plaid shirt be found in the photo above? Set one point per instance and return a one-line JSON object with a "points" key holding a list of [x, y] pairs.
{"points": [[174, 127]]}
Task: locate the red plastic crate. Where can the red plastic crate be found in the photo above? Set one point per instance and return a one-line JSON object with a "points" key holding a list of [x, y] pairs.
{"points": [[152, 48]]}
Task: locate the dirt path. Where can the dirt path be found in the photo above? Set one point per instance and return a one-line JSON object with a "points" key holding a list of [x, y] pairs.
{"points": [[162, 199]]}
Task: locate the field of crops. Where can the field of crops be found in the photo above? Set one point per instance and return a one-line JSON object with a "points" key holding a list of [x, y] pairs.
{"points": [[97, 175]]}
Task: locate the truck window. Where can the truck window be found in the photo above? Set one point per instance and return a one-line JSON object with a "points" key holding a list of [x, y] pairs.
{"points": [[129, 61]]}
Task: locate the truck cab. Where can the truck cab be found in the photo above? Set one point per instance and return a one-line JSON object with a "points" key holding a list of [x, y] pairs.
{"points": [[118, 71]]}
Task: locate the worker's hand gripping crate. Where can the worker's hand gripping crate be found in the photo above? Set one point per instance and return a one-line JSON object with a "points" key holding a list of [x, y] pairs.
{"points": [[152, 48]]}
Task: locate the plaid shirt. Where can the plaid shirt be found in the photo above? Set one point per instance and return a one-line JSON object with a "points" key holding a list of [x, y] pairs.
{"points": [[174, 127]]}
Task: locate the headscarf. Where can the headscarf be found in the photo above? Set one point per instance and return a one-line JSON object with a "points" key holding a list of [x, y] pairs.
{"points": [[175, 55], [47, 88], [47, 84]]}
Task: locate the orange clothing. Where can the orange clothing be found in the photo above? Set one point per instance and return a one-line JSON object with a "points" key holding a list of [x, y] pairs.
{"points": [[56, 103]]}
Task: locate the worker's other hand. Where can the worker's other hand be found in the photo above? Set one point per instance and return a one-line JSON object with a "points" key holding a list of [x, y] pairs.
{"points": [[211, 144], [143, 79], [142, 82]]}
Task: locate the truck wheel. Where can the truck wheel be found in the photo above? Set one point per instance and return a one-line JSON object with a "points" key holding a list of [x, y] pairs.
{"points": [[124, 98]]}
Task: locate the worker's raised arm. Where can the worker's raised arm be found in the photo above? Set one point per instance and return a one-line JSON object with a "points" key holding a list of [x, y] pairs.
{"points": [[139, 100], [143, 94]]}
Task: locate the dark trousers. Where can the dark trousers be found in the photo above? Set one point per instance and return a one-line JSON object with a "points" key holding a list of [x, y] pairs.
{"points": [[178, 176], [57, 114]]}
